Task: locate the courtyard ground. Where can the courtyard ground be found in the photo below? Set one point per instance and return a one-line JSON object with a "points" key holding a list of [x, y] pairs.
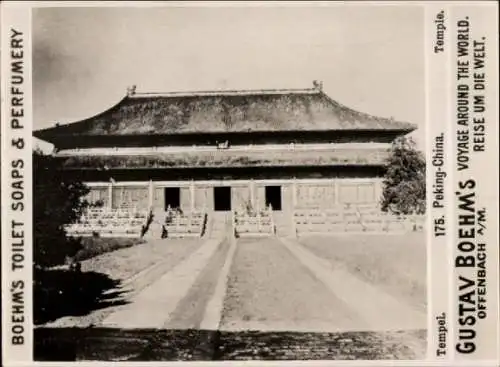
{"points": [[395, 263], [341, 297], [116, 277]]}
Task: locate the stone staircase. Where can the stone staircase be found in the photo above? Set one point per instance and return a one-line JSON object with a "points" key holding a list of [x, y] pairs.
{"points": [[283, 224], [155, 228], [219, 224]]}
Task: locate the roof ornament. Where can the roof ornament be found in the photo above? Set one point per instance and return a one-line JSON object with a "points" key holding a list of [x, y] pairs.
{"points": [[318, 85], [224, 145], [131, 90]]}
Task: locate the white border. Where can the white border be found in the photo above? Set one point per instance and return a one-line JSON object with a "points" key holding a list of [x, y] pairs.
{"points": [[5, 178]]}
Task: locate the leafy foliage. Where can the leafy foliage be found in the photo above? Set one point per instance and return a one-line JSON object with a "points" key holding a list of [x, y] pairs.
{"points": [[404, 182], [56, 202]]}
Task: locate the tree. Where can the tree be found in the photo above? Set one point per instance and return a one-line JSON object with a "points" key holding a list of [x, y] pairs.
{"points": [[404, 181], [56, 202]]}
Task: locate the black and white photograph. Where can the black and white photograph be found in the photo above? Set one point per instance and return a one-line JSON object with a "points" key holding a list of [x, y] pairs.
{"points": [[250, 183], [229, 183]]}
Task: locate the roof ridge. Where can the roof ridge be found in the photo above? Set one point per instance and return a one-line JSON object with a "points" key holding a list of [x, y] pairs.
{"points": [[225, 92], [361, 113]]}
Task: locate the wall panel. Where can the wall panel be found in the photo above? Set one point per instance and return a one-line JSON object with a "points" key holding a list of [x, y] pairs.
{"points": [[185, 193], [132, 196], [98, 194], [240, 197], [316, 195]]}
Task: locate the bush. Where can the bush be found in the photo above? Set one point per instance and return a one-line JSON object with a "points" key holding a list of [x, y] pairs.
{"points": [[94, 246], [404, 183], [56, 202]]}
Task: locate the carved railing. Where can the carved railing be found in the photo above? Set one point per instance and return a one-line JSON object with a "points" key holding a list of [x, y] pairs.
{"points": [[353, 218], [184, 224], [107, 222], [254, 223]]}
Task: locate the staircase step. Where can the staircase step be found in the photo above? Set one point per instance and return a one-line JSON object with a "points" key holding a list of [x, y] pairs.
{"points": [[220, 223]]}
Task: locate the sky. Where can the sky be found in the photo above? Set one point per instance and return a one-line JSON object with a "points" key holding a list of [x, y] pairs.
{"points": [[369, 58]]}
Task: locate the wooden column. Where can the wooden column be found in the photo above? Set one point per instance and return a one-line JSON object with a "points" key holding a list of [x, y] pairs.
{"points": [[294, 193], [252, 193], [110, 195], [379, 190], [150, 195], [192, 194], [294, 205], [337, 191]]}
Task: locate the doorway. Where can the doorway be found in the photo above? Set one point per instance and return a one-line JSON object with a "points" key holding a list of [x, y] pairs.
{"points": [[222, 198], [172, 197], [273, 197]]}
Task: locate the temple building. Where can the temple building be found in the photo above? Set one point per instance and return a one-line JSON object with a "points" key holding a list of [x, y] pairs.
{"points": [[228, 150]]}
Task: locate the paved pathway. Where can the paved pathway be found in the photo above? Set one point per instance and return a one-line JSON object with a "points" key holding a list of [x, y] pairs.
{"points": [[213, 312], [271, 290], [151, 307]]}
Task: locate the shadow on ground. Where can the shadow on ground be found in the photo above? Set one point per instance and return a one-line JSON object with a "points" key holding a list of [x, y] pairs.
{"points": [[72, 344], [59, 293]]}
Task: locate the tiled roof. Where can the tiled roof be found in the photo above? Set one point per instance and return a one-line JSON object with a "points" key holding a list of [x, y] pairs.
{"points": [[225, 111], [228, 158]]}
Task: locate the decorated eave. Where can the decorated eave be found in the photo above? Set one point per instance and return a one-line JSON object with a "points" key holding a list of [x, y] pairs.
{"points": [[223, 112], [229, 159]]}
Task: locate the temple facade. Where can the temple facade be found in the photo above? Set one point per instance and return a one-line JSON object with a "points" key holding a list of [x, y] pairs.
{"points": [[228, 150]]}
